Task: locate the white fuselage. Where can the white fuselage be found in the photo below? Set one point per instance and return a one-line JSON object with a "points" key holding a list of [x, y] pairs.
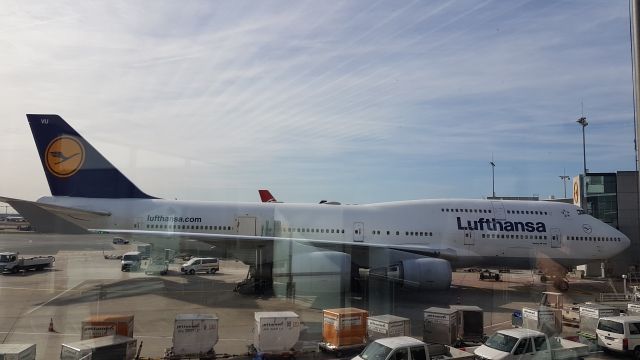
{"points": [[492, 232]]}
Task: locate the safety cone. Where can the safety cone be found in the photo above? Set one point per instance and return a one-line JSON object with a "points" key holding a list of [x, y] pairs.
{"points": [[51, 329]]}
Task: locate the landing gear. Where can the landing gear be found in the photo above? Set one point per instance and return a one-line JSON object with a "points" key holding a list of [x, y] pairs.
{"points": [[559, 282]]}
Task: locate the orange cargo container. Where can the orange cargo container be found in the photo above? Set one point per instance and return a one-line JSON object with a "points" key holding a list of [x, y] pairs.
{"points": [[104, 325], [344, 326]]}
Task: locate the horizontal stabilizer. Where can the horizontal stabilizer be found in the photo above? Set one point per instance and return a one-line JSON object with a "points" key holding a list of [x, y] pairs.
{"points": [[48, 218]]}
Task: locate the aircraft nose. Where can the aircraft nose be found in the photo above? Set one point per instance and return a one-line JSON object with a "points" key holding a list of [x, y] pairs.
{"points": [[626, 242]]}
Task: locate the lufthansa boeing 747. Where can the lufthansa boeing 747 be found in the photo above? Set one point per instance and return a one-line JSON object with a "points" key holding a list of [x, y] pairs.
{"points": [[423, 240]]}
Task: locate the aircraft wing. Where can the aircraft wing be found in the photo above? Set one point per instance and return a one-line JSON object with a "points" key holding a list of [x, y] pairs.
{"points": [[418, 249], [50, 218]]}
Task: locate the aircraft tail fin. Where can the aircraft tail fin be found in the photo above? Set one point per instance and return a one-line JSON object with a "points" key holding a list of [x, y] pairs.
{"points": [[73, 167], [265, 196]]}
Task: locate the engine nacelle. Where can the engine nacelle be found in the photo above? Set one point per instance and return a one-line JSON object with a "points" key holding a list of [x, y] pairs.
{"points": [[314, 273], [425, 273]]}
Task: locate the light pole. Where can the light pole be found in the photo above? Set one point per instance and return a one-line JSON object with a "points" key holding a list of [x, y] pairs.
{"points": [[493, 177], [583, 121], [564, 180]]}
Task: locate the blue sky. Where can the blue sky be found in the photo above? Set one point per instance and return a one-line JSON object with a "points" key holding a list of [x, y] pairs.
{"points": [[355, 101]]}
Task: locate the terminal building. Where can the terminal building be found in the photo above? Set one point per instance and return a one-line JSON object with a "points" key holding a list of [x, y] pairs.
{"points": [[613, 198]]}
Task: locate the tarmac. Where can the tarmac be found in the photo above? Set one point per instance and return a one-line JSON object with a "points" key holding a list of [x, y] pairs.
{"points": [[83, 283]]}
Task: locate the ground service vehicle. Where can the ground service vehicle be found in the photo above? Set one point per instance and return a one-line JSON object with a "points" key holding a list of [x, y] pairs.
{"points": [[397, 348], [620, 333], [157, 267], [10, 262], [120, 241], [194, 265], [408, 348], [524, 344], [131, 261]]}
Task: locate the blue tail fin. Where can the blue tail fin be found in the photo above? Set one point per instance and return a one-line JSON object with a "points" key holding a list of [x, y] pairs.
{"points": [[74, 167]]}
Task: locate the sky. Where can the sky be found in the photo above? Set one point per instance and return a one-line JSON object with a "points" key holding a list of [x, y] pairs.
{"points": [[351, 101]]}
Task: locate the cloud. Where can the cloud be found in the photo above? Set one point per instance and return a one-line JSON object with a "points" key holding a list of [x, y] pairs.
{"points": [[305, 95]]}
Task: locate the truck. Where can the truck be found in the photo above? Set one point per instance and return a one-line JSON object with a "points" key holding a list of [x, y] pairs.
{"points": [[131, 261], [517, 344], [408, 348], [11, 262]]}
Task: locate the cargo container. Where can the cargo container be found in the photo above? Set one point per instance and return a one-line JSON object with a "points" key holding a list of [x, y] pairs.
{"points": [[275, 331], [383, 326], [544, 319], [589, 316], [633, 309], [104, 325], [470, 323], [195, 334], [17, 351], [440, 326], [344, 327], [114, 347]]}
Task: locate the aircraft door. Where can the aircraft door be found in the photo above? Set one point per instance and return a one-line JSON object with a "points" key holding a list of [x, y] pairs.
{"points": [[498, 210], [358, 232], [468, 237], [137, 223], [556, 238], [246, 225]]}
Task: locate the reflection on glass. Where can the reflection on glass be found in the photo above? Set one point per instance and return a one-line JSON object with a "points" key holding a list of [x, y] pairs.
{"points": [[501, 342]]}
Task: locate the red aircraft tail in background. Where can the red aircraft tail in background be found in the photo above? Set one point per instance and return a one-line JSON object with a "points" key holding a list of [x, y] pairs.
{"points": [[265, 196]]}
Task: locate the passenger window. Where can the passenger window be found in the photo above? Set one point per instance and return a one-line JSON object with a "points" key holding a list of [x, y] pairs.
{"points": [[523, 347], [634, 328], [541, 343], [400, 354], [417, 353]]}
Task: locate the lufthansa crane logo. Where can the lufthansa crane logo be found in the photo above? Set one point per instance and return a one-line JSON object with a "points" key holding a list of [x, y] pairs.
{"points": [[587, 228], [64, 156]]}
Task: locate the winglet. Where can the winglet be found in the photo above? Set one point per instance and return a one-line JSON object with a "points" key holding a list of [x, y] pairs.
{"points": [[73, 167]]}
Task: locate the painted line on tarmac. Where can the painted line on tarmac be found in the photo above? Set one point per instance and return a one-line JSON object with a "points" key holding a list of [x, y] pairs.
{"points": [[53, 298]]}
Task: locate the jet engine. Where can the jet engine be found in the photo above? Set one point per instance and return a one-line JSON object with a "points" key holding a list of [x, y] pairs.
{"points": [[424, 273]]}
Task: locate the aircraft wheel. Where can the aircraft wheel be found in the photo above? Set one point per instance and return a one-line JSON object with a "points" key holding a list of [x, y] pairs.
{"points": [[543, 278], [192, 272], [496, 277], [561, 284]]}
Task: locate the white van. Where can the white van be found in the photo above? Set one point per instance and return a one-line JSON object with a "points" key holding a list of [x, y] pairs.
{"points": [[194, 265], [620, 333]]}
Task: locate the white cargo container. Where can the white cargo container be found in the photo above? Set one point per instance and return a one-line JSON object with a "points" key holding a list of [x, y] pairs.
{"points": [[440, 326], [106, 347], [195, 334], [590, 314], [382, 326], [17, 351], [633, 309], [276, 331]]}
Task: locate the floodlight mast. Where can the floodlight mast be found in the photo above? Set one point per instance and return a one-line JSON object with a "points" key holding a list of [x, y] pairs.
{"points": [[493, 177]]}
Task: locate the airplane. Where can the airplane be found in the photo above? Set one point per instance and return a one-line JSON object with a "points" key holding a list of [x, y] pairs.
{"points": [[266, 196], [421, 241]]}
